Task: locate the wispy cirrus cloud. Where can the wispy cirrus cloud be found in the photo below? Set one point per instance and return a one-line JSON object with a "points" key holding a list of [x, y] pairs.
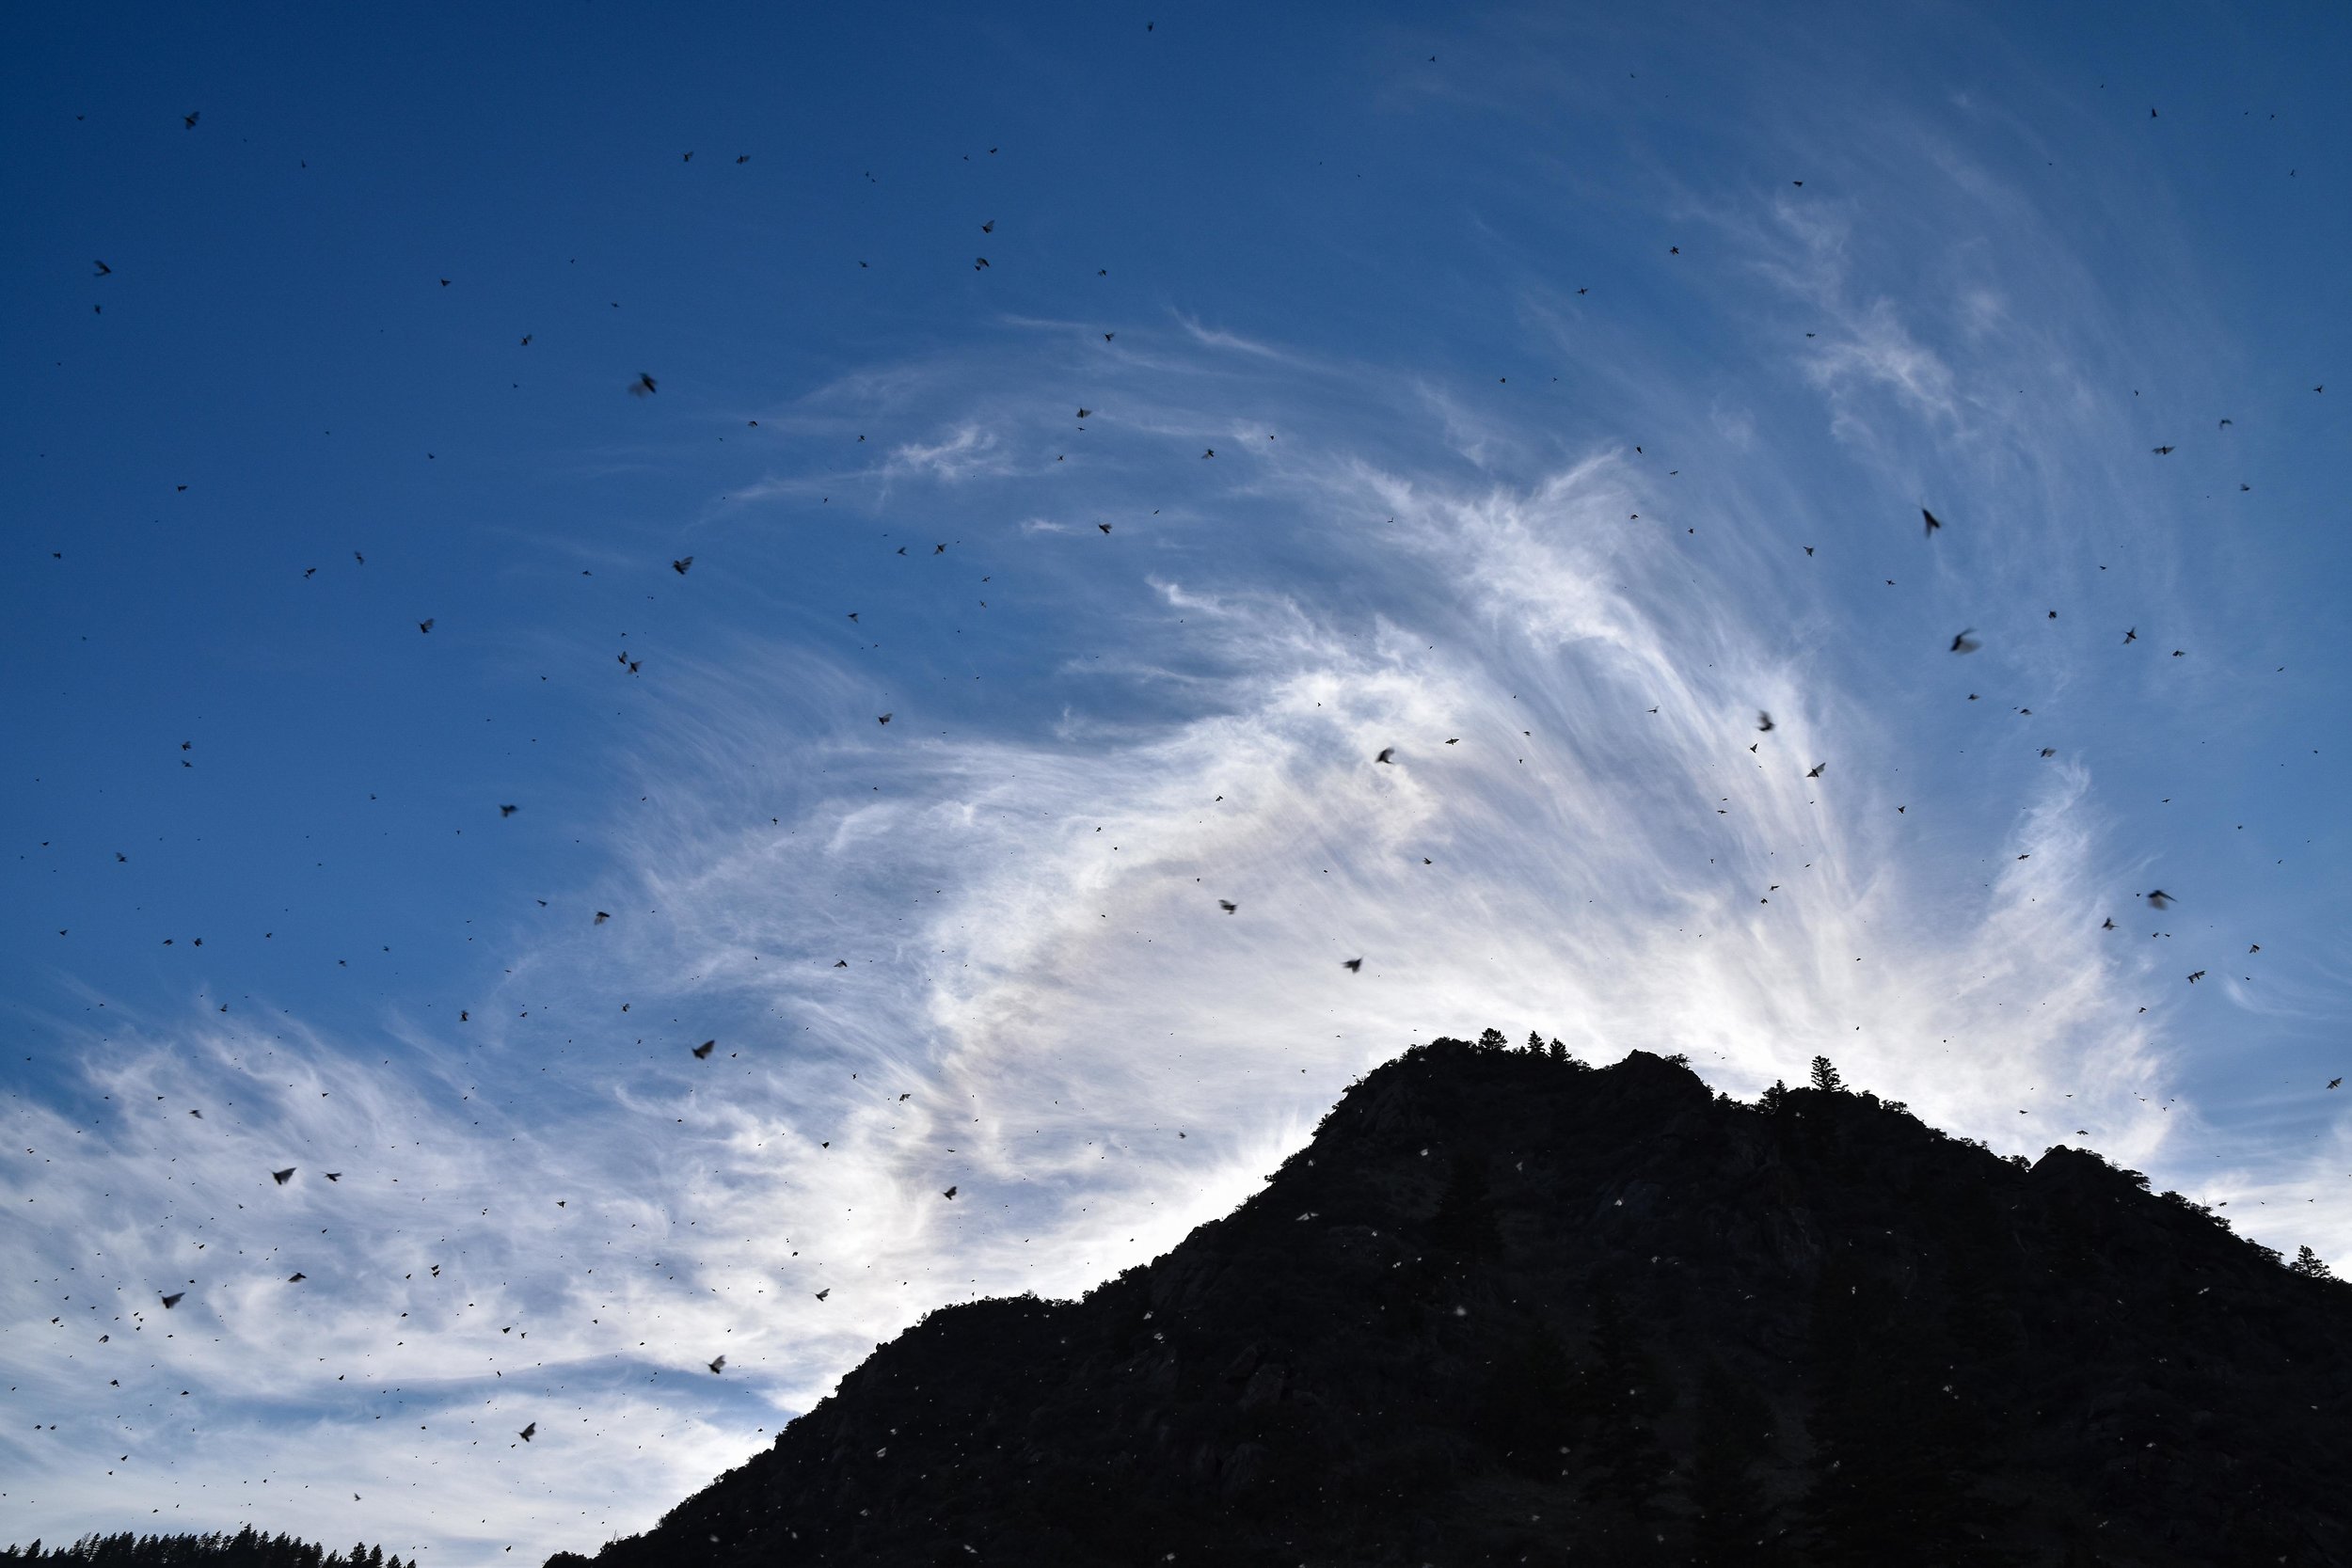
{"points": [[984, 948], [971, 451], [1007, 973]]}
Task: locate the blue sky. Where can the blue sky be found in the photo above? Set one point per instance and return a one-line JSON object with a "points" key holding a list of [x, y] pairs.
{"points": [[1531, 372]]}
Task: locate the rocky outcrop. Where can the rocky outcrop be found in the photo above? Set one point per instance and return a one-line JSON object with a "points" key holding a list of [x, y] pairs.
{"points": [[1508, 1309]]}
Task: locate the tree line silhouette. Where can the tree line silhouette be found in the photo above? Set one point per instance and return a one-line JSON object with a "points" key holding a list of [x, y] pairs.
{"points": [[247, 1548]]}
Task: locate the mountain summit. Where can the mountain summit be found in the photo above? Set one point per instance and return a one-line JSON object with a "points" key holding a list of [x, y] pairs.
{"points": [[1507, 1308]]}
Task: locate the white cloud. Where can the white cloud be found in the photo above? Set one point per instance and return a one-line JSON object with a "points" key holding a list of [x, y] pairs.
{"points": [[1567, 649], [970, 450], [1224, 339]]}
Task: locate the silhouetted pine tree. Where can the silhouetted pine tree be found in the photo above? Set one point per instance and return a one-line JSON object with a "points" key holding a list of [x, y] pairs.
{"points": [[1893, 1463], [1617, 1391], [1528, 1411], [1464, 1230], [1981, 1327], [1732, 1520]]}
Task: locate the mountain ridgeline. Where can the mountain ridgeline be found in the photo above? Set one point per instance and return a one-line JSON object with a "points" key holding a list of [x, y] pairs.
{"points": [[1507, 1308]]}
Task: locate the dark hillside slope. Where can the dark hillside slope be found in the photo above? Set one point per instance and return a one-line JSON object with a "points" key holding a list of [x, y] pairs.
{"points": [[1508, 1309]]}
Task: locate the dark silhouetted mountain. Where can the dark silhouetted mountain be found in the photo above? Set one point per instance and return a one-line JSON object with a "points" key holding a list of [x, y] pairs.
{"points": [[247, 1548], [1507, 1309]]}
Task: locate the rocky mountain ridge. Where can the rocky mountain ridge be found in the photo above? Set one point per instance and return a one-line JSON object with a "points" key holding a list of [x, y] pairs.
{"points": [[1506, 1308]]}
